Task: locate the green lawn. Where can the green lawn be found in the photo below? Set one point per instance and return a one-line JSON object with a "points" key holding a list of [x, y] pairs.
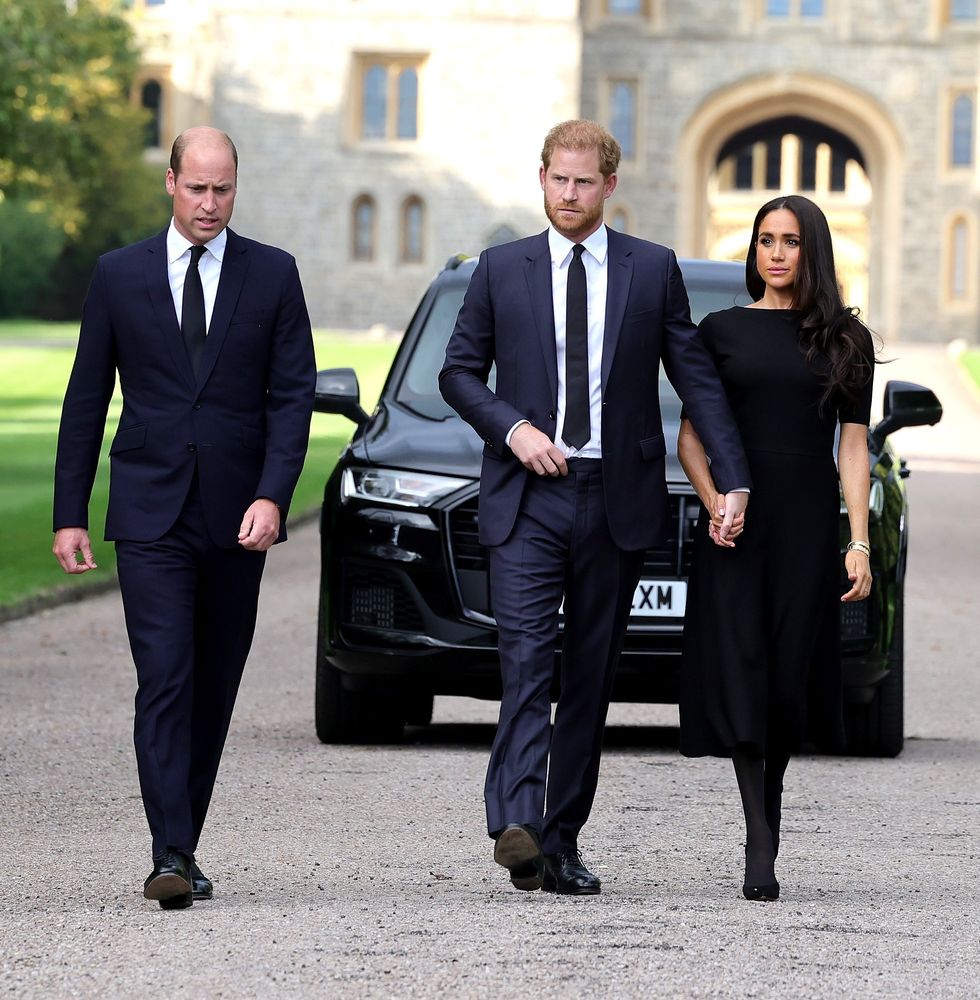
{"points": [[32, 383], [970, 360]]}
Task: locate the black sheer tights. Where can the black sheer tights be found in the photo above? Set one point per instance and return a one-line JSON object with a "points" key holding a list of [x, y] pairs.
{"points": [[760, 783]]}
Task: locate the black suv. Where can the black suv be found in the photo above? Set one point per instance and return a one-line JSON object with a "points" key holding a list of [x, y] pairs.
{"points": [[405, 610]]}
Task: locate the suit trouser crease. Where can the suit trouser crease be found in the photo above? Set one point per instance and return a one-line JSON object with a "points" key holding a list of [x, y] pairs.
{"points": [[190, 611], [560, 544]]}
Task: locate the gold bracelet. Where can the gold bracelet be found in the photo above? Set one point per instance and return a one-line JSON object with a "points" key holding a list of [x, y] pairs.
{"points": [[859, 547]]}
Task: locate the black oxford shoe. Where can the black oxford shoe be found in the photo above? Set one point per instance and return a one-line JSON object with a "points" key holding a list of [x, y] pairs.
{"points": [[517, 849], [200, 883], [170, 882], [565, 874]]}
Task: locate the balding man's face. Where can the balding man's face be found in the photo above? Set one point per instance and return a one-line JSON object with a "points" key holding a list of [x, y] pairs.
{"points": [[203, 191]]}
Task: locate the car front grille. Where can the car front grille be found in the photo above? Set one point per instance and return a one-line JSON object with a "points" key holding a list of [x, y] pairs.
{"points": [[379, 599], [464, 533], [858, 619], [672, 558], [669, 560]]}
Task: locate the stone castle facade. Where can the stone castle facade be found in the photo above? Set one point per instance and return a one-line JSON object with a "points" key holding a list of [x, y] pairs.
{"points": [[378, 137]]}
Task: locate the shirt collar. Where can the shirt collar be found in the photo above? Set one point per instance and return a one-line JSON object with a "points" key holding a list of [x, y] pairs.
{"points": [[561, 246], [177, 245]]}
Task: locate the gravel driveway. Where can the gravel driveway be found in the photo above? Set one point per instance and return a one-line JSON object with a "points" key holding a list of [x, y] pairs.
{"points": [[361, 872]]}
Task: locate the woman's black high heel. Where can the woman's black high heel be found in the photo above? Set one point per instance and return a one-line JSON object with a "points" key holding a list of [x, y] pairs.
{"points": [[763, 893]]}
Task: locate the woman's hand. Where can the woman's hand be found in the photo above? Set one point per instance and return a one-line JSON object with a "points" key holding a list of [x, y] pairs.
{"points": [[858, 567], [718, 518]]}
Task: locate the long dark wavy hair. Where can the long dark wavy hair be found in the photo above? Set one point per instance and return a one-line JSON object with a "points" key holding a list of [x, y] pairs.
{"points": [[837, 345]]}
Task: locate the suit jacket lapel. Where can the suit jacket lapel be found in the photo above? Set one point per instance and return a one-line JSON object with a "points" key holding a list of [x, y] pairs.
{"points": [[234, 265], [538, 274], [619, 275], [162, 301]]}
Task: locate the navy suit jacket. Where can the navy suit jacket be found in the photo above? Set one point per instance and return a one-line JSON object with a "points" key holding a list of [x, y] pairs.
{"points": [[242, 423], [507, 318]]}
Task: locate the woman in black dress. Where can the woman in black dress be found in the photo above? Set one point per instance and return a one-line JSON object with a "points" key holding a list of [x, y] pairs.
{"points": [[761, 635]]}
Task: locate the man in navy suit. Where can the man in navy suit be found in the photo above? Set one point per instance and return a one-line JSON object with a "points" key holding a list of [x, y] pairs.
{"points": [[211, 338], [577, 321]]}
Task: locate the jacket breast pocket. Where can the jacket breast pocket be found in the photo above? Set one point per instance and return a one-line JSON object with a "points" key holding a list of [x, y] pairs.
{"points": [[255, 318], [128, 439], [654, 447]]}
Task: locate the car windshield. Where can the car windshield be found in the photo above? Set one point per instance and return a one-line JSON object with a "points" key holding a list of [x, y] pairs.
{"points": [[419, 386]]}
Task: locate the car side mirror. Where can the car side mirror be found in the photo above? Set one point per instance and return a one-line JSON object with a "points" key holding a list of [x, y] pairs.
{"points": [[906, 404], [337, 391]]}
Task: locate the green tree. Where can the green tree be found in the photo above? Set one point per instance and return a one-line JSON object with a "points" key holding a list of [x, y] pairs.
{"points": [[72, 178]]}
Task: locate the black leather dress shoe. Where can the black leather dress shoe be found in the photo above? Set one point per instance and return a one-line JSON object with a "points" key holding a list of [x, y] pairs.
{"points": [[170, 881], [565, 874], [517, 849], [201, 883]]}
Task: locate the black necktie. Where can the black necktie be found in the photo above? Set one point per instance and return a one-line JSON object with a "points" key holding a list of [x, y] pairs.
{"points": [[576, 429], [193, 322]]}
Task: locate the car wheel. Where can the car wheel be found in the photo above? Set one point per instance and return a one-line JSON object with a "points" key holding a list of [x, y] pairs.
{"points": [[344, 716], [877, 729], [417, 709]]}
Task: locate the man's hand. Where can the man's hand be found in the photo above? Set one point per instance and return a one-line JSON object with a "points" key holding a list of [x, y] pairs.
{"points": [[260, 526], [73, 550], [733, 505], [537, 452], [718, 519]]}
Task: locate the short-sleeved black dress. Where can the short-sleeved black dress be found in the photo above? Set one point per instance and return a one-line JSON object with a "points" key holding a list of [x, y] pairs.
{"points": [[761, 667]]}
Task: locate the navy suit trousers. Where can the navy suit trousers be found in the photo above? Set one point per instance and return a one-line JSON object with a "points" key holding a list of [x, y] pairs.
{"points": [[190, 612], [560, 546]]}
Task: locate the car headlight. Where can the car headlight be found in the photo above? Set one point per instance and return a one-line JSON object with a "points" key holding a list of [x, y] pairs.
{"points": [[876, 499], [395, 486]]}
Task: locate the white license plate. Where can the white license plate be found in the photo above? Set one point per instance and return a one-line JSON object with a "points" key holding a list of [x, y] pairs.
{"points": [[659, 599]]}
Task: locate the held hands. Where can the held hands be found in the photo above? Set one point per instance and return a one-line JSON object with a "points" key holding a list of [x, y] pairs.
{"points": [[260, 526], [727, 518], [537, 452], [73, 550], [858, 566]]}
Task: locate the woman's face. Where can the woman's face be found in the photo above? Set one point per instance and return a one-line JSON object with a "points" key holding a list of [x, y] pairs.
{"points": [[777, 249]]}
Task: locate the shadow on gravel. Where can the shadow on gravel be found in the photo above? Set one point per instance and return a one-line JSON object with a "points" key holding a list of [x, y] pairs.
{"points": [[481, 734]]}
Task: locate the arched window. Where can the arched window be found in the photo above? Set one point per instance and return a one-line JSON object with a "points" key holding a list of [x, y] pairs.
{"points": [[625, 8], [959, 281], [619, 219], [798, 8], [413, 226], [387, 87], [961, 146], [963, 10], [363, 226], [151, 100], [622, 115], [408, 100], [374, 105]]}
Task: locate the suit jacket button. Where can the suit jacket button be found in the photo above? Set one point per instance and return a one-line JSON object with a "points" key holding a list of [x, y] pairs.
{"points": [[551, 414], [196, 406], [192, 448]]}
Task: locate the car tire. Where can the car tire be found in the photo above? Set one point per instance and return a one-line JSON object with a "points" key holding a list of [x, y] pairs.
{"points": [[417, 709], [344, 716], [877, 729]]}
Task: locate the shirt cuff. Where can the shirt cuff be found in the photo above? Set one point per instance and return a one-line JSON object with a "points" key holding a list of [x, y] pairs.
{"points": [[510, 433]]}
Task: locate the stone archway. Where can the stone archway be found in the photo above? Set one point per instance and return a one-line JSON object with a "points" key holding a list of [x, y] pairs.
{"points": [[852, 112]]}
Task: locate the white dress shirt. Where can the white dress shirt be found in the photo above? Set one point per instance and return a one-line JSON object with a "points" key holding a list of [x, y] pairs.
{"points": [[594, 259], [209, 267]]}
